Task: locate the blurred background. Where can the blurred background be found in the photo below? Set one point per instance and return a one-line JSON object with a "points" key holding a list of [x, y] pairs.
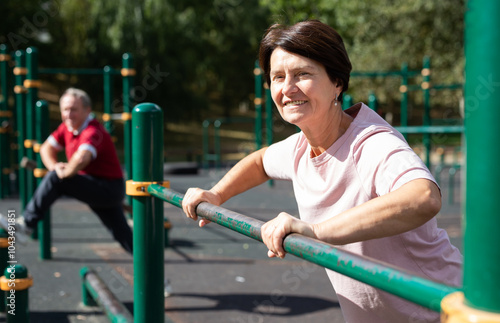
{"points": [[196, 58]]}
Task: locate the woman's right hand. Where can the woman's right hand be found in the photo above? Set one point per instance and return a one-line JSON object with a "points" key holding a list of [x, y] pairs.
{"points": [[195, 196]]}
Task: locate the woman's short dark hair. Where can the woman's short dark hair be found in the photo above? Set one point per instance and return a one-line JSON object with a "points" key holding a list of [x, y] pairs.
{"points": [[312, 39]]}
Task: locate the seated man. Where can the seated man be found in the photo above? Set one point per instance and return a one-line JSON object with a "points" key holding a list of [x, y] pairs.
{"points": [[92, 174]]}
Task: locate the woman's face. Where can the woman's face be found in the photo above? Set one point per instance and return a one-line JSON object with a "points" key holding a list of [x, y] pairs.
{"points": [[301, 89]]}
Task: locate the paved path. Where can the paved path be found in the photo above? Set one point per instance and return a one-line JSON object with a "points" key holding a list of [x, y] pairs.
{"points": [[217, 275]]}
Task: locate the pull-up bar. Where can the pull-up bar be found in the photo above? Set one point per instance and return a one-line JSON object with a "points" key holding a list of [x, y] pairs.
{"points": [[396, 281]]}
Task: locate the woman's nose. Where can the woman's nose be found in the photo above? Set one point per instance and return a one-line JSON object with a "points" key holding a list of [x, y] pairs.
{"points": [[289, 86]]}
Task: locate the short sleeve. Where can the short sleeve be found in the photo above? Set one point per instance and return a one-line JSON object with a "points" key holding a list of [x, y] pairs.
{"points": [[385, 162], [278, 158], [56, 138], [92, 140]]}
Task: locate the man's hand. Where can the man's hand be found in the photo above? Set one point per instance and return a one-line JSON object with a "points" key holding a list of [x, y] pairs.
{"points": [[59, 169]]}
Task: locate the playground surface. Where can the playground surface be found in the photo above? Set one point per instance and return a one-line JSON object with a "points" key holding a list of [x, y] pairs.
{"points": [[216, 275]]}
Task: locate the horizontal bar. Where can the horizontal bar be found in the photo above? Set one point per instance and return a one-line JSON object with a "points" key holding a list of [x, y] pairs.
{"points": [[76, 71], [396, 281], [114, 309], [431, 129], [385, 73]]}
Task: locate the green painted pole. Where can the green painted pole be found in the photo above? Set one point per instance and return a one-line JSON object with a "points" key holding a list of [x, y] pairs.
{"points": [[421, 291], [108, 96], [206, 144], [426, 79], [258, 106], [147, 161], [95, 291], [403, 89], [42, 132], [346, 102], [128, 73], [31, 84], [269, 122], [17, 296], [20, 94], [372, 101], [4, 257], [5, 116], [482, 209]]}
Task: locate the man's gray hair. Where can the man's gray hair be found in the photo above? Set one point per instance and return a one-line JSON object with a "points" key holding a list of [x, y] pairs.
{"points": [[79, 94]]}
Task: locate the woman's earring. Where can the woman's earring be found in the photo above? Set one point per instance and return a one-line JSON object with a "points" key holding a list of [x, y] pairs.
{"points": [[336, 100]]}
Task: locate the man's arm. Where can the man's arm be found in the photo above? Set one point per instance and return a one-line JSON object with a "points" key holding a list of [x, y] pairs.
{"points": [[49, 155], [79, 160]]}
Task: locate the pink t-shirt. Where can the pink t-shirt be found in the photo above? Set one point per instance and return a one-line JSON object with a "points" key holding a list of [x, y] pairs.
{"points": [[371, 159]]}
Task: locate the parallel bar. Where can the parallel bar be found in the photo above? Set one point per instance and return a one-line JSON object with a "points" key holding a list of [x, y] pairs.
{"points": [[101, 294], [396, 281], [431, 129]]}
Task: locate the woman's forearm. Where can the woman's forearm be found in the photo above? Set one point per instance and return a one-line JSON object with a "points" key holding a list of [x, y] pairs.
{"points": [[402, 210], [247, 173]]}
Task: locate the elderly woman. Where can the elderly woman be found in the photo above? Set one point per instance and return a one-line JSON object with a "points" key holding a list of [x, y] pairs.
{"points": [[357, 183]]}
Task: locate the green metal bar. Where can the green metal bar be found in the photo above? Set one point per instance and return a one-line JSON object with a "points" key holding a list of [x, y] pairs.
{"points": [[426, 74], [218, 153], [4, 257], [421, 291], [147, 161], [482, 220], [75, 71], [4, 111], [430, 129], [384, 73], [17, 304], [346, 102], [372, 101], [269, 122], [95, 291], [31, 98], [108, 96], [128, 84], [206, 143], [20, 95], [42, 132], [258, 106]]}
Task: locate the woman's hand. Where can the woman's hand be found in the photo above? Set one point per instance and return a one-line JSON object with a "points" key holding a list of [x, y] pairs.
{"points": [[274, 232], [195, 196]]}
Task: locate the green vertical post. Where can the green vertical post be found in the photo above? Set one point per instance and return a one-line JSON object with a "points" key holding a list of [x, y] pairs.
{"points": [[372, 101], [206, 144], [258, 106], [20, 94], [346, 101], [42, 132], [403, 89], [482, 209], [128, 73], [108, 97], [31, 84], [4, 257], [5, 115], [17, 303], [426, 79], [217, 150], [147, 161], [269, 121]]}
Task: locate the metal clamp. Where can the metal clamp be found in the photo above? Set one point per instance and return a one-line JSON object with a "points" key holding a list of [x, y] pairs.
{"points": [[15, 284], [127, 72], [141, 188]]}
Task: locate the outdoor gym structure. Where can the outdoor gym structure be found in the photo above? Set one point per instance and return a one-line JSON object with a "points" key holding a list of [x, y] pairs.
{"points": [[479, 298], [477, 301], [18, 130]]}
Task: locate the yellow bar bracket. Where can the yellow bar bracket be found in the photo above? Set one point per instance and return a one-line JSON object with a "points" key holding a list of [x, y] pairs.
{"points": [[454, 310], [141, 188]]}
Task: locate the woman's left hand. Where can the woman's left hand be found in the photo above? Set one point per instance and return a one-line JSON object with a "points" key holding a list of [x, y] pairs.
{"points": [[274, 232]]}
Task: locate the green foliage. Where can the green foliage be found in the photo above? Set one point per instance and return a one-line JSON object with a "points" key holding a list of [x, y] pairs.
{"points": [[203, 51]]}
